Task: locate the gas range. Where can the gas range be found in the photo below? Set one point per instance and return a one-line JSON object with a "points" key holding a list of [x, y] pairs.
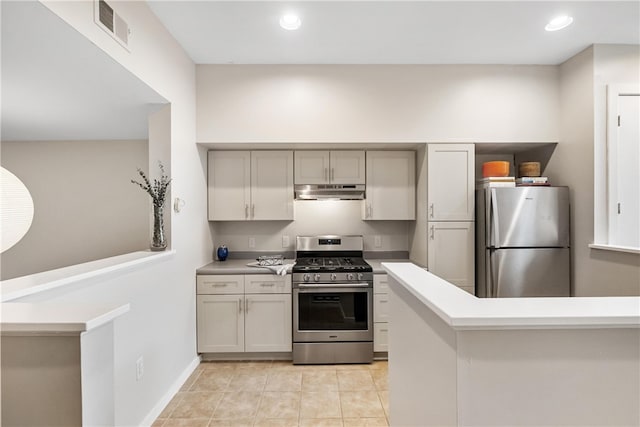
{"points": [[332, 301], [330, 259]]}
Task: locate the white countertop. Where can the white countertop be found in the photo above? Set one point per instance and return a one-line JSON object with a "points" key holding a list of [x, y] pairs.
{"points": [[27, 285], [57, 317], [463, 311]]}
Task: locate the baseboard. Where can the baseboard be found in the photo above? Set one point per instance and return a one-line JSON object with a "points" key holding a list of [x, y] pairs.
{"points": [[220, 357], [175, 388]]}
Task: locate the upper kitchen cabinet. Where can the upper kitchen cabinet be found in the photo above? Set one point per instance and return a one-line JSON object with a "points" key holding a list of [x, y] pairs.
{"points": [[391, 186], [250, 185], [450, 182], [330, 167]]}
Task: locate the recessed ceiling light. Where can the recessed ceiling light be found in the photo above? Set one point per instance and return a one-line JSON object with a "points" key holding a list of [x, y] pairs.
{"points": [[290, 21], [558, 23]]}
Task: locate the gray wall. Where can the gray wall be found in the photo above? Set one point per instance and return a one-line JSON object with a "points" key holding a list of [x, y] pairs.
{"points": [[85, 206], [595, 272]]}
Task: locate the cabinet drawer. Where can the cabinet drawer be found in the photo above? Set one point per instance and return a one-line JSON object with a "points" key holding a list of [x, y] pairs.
{"points": [[380, 284], [381, 308], [267, 284], [380, 337], [220, 284]]}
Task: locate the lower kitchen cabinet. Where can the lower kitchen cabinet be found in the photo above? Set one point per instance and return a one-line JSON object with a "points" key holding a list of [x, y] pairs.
{"points": [[255, 318], [220, 323], [380, 313], [267, 323], [450, 251]]}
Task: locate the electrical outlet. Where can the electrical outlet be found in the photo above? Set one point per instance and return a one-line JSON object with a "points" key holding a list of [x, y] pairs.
{"points": [[252, 242], [139, 368], [285, 241], [377, 241]]}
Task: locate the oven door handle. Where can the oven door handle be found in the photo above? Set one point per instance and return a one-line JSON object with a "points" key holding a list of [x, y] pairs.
{"points": [[325, 286]]}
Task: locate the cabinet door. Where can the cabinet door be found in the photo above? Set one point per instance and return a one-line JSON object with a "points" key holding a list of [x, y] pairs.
{"points": [[451, 252], [312, 167], [220, 323], [271, 185], [268, 322], [229, 185], [450, 182], [390, 186], [347, 167]]}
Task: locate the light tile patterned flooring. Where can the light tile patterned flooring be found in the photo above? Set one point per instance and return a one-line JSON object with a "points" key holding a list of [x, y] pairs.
{"points": [[280, 394]]}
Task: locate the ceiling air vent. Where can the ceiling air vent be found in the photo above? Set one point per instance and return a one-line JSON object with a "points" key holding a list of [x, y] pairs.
{"points": [[106, 18]]}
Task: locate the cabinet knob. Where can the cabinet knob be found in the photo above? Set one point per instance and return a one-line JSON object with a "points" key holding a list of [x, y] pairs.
{"points": [[431, 210]]}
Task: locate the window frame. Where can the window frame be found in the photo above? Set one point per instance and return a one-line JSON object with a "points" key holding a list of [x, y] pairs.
{"points": [[605, 225]]}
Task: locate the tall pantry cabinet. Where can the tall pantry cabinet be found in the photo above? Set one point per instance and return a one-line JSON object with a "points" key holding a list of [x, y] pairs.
{"points": [[451, 213]]}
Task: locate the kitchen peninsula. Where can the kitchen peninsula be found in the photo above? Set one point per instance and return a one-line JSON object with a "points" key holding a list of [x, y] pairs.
{"points": [[463, 360]]}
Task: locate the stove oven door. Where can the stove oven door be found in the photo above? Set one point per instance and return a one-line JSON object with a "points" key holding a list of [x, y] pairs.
{"points": [[332, 313]]}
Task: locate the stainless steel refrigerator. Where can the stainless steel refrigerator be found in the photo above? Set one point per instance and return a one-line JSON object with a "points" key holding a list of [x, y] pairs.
{"points": [[522, 242]]}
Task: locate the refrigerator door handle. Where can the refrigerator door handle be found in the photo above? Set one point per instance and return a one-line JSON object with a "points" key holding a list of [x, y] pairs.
{"points": [[494, 223], [493, 286]]}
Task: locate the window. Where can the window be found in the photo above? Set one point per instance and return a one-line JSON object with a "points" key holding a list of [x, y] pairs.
{"points": [[622, 169]]}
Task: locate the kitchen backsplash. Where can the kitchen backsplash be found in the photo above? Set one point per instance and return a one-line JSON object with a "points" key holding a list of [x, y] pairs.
{"points": [[312, 218]]}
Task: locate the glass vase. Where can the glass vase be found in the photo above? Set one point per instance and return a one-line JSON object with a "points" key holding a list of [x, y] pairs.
{"points": [[158, 242]]}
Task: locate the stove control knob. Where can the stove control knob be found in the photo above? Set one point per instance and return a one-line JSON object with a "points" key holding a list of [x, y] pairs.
{"points": [[333, 276], [306, 277], [316, 277], [359, 276], [349, 276]]}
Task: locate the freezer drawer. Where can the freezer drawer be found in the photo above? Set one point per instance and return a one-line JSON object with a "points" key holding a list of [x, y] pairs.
{"points": [[530, 272]]}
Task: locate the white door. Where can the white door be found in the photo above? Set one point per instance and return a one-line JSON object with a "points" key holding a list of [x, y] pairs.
{"points": [[312, 167], [229, 185], [391, 189], [271, 185], [450, 182], [220, 323], [347, 167], [268, 322], [625, 212], [451, 252]]}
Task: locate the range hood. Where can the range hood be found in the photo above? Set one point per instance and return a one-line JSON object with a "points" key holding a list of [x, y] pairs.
{"points": [[329, 192]]}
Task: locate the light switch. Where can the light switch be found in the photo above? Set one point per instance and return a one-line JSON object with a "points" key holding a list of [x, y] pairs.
{"points": [[285, 241], [252, 242], [377, 241]]}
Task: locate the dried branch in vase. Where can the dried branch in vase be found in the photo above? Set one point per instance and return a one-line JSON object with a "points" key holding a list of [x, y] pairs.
{"points": [[157, 190]]}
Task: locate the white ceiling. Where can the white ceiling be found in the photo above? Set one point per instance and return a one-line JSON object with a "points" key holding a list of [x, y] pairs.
{"points": [[394, 32], [57, 85]]}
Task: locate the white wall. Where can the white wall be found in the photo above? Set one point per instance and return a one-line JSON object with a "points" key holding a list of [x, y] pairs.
{"points": [[312, 218], [377, 103], [368, 104], [85, 205], [583, 115], [161, 323]]}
